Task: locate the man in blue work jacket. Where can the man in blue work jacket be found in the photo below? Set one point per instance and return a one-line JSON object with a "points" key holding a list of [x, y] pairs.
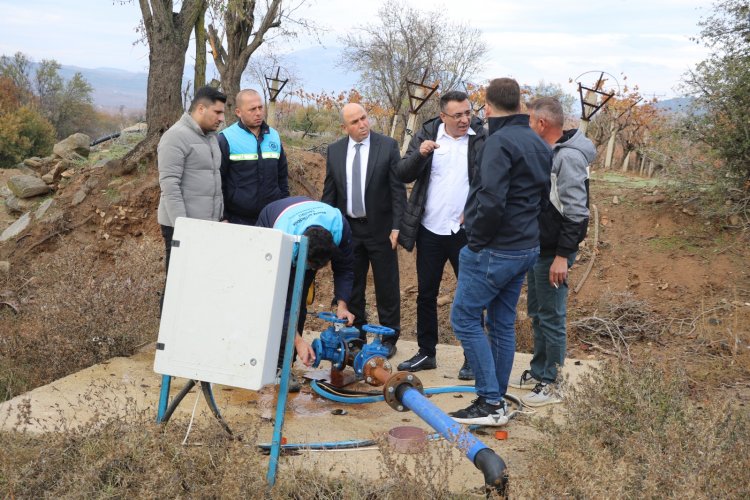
{"points": [[329, 240], [253, 163]]}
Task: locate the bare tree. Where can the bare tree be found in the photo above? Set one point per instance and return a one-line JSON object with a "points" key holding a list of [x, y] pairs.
{"points": [[241, 27], [168, 36], [402, 44]]}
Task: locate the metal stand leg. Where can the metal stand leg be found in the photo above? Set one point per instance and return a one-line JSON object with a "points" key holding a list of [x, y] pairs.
{"points": [[286, 369], [166, 382]]}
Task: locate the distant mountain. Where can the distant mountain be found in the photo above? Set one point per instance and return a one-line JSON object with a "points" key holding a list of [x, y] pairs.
{"points": [[115, 88], [676, 105]]}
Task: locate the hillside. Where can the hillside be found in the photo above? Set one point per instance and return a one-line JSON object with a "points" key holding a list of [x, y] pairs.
{"points": [[666, 305]]}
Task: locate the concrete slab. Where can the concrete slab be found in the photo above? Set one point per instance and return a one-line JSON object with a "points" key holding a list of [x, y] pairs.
{"points": [[122, 386]]}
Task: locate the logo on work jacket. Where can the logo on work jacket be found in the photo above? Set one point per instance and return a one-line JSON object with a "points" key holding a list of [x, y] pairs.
{"points": [[273, 146]]}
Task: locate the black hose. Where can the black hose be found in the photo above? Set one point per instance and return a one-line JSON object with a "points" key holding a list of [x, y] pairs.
{"points": [[209, 395], [105, 138], [493, 468], [177, 399]]}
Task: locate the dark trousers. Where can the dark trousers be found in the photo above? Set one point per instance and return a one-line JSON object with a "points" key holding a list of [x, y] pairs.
{"points": [[166, 232], [309, 278], [378, 252], [433, 250]]}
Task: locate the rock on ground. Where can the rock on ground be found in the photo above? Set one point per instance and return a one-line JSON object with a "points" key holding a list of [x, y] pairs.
{"points": [[17, 227], [76, 144], [27, 186]]}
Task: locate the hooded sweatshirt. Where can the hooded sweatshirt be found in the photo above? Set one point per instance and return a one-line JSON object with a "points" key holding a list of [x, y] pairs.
{"points": [[564, 222]]}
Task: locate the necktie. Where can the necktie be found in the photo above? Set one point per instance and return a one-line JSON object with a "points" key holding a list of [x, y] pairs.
{"points": [[358, 208]]}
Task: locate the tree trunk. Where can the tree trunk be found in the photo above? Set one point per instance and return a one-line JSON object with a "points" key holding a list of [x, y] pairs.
{"points": [[230, 84], [626, 161], [168, 36], [394, 124], [610, 148], [243, 37], [643, 165], [199, 80]]}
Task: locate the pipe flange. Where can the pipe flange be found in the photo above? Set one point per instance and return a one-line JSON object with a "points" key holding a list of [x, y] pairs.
{"points": [[397, 379], [377, 371]]}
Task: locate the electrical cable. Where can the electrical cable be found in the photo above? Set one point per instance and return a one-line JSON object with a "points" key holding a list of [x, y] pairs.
{"points": [[339, 395], [192, 417]]}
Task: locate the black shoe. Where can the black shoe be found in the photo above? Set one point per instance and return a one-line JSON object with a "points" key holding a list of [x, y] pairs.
{"points": [[418, 362], [480, 412], [466, 373], [391, 349]]}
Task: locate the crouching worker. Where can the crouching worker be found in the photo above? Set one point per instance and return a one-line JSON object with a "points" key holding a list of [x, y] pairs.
{"points": [[329, 240]]}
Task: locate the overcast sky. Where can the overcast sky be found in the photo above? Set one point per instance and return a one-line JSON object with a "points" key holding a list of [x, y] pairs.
{"points": [[647, 40]]}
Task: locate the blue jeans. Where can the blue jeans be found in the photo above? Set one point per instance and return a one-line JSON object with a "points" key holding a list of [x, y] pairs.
{"points": [[547, 308], [490, 279]]}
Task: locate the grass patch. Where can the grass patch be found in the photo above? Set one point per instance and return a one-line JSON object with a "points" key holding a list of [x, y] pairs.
{"points": [[673, 243], [627, 181], [633, 432]]}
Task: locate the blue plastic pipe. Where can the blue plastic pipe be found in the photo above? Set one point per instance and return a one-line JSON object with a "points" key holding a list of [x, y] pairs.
{"points": [[286, 369], [483, 457]]}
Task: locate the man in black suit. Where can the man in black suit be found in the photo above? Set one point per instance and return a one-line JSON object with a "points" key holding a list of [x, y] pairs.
{"points": [[362, 183]]}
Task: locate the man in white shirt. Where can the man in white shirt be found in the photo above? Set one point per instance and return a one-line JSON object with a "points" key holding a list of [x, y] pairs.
{"points": [[440, 162]]}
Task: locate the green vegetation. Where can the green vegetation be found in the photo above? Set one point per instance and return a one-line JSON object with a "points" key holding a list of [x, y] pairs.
{"points": [[628, 181], [721, 85], [671, 243]]}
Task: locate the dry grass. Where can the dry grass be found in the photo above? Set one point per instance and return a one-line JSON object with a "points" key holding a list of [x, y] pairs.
{"points": [[619, 320], [77, 309], [130, 456], [633, 432]]}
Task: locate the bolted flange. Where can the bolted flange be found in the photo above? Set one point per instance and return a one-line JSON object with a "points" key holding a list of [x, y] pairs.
{"points": [[392, 384]]}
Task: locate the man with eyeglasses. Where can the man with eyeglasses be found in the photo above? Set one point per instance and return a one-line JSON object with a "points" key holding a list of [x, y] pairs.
{"points": [[440, 162]]}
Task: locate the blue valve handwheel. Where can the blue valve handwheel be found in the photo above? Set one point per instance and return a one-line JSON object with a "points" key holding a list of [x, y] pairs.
{"points": [[379, 330], [330, 317]]}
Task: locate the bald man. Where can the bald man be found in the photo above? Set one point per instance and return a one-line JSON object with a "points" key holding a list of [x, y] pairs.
{"points": [[253, 162], [361, 181]]}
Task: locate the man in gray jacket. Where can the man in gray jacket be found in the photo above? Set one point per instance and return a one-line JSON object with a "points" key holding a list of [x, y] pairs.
{"points": [[562, 226], [189, 162]]}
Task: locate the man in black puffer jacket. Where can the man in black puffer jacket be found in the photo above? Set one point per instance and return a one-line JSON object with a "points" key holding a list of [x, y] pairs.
{"points": [[440, 162]]}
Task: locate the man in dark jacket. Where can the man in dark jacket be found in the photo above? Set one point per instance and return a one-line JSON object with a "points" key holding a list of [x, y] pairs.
{"points": [[440, 162], [563, 226], [501, 219], [253, 163]]}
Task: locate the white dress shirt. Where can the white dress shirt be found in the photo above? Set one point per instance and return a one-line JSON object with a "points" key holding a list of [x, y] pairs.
{"points": [[364, 154], [449, 184]]}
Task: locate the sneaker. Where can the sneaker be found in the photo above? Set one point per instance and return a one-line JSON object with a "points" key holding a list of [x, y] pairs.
{"points": [[466, 373], [527, 381], [295, 385], [542, 394], [418, 362], [480, 412]]}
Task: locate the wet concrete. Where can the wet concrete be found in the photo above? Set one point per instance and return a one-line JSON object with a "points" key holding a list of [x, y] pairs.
{"points": [[122, 386]]}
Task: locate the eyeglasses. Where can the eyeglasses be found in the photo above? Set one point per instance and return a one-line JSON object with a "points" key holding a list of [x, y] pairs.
{"points": [[458, 116]]}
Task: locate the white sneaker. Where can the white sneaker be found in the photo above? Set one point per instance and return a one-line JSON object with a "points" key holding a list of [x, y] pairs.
{"points": [[527, 381], [541, 395]]}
